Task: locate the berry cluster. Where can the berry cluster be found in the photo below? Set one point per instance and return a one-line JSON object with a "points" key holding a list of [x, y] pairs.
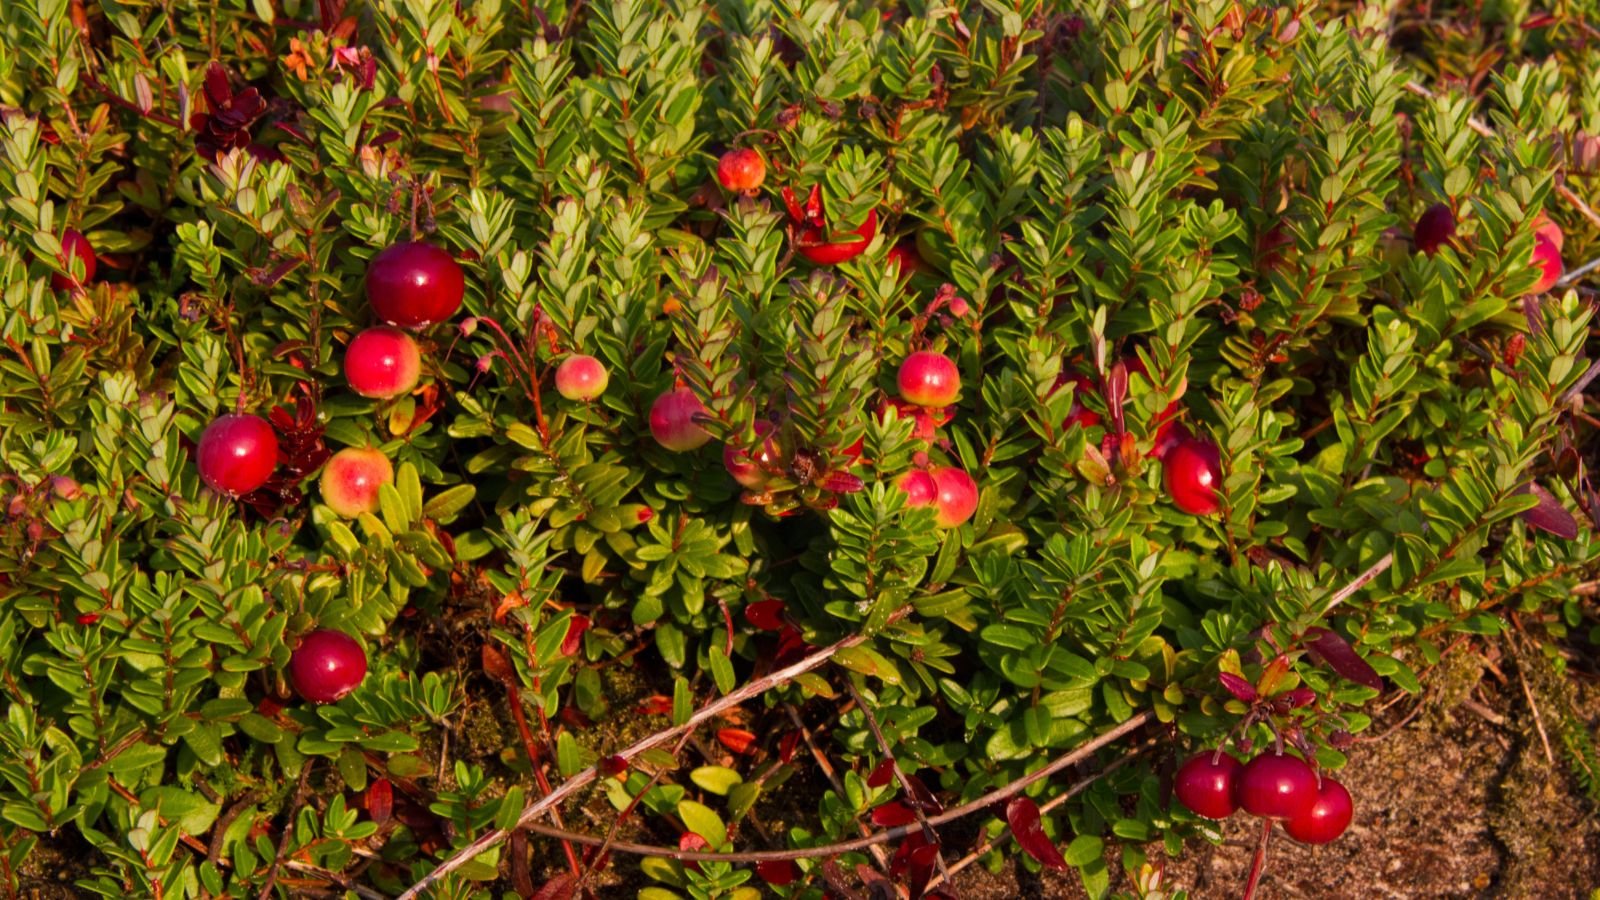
{"points": [[1273, 786], [409, 285]]}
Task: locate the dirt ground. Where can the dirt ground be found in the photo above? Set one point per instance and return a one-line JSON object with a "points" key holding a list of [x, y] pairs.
{"points": [[1459, 803]]}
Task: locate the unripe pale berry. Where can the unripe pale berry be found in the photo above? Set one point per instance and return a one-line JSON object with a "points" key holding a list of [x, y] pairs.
{"points": [[327, 665], [672, 421], [351, 479], [413, 284], [382, 363], [927, 378], [237, 454], [581, 377]]}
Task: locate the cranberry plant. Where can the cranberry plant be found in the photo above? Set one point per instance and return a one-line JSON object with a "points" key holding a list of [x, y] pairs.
{"points": [[923, 399]]}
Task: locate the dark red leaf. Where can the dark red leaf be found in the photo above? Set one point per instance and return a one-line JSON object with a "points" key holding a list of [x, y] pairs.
{"points": [[881, 775], [766, 615], [1342, 658], [778, 871], [612, 766], [922, 798], [561, 887], [380, 800], [1022, 814], [915, 859], [1549, 516], [787, 746], [735, 739], [573, 642], [1243, 690], [892, 815]]}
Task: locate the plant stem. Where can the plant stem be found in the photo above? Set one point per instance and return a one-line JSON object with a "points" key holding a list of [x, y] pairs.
{"points": [[1258, 865]]}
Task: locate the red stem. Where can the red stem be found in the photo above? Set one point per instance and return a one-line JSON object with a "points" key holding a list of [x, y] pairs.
{"points": [[1259, 865]]}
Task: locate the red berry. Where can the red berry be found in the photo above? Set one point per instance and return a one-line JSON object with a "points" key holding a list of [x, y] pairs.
{"points": [[907, 260], [351, 479], [581, 377], [672, 421], [929, 379], [1192, 471], [1205, 785], [1080, 415], [753, 471], [920, 488], [1277, 787], [1166, 437], [741, 170], [1435, 227], [958, 496], [237, 454], [382, 363], [413, 284], [74, 246], [1547, 257], [1542, 224], [926, 420], [327, 665], [1327, 817]]}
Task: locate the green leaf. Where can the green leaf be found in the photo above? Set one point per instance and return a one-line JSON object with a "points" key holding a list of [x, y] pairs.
{"points": [[718, 780], [699, 819]]}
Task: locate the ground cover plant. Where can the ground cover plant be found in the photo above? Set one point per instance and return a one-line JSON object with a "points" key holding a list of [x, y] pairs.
{"points": [[769, 448]]}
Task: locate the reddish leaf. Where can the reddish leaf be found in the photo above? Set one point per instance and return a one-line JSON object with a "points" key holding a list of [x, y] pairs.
{"points": [[778, 871], [1243, 690], [573, 717], [1342, 658], [612, 766], [1300, 696], [787, 746], [573, 642], [892, 815], [561, 887], [882, 775], [915, 860], [689, 841], [766, 615], [1549, 516], [379, 800], [1022, 814], [658, 705], [497, 665], [735, 739], [922, 798]]}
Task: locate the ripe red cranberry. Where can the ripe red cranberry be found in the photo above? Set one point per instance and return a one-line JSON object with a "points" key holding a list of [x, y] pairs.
{"points": [[1080, 415], [672, 421], [74, 246], [753, 470], [920, 488], [1543, 224], [958, 496], [351, 479], [1547, 258], [1327, 817], [905, 257], [327, 665], [1205, 784], [1192, 471], [929, 379], [1277, 787], [1435, 227], [741, 170], [237, 454], [413, 284], [382, 363], [581, 377]]}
